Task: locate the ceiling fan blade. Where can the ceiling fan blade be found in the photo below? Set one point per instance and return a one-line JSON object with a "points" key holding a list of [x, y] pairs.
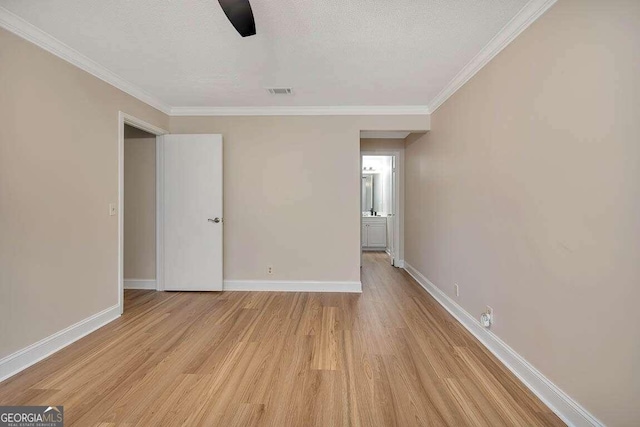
{"points": [[240, 15]]}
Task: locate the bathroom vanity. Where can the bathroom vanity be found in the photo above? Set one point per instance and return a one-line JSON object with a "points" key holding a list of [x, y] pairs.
{"points": [[374, 233]]}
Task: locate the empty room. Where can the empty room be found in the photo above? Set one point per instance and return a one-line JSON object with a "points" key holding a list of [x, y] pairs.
{"points": [[319, 213]]}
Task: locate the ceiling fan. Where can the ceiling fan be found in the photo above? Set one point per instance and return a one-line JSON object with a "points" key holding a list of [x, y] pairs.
{"points": [[240, 15]]}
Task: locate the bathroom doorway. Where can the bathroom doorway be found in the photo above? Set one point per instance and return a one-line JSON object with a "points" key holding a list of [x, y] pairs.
{"points": [[381, 204]]}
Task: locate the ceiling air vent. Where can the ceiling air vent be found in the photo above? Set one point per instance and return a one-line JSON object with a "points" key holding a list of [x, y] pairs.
{"points": [[280, 90]]}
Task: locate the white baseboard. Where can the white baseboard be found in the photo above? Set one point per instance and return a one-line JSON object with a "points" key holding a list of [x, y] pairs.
{"points": [[558, 401], [22, 359], [399, 263], [291, 286], [140, 284]]}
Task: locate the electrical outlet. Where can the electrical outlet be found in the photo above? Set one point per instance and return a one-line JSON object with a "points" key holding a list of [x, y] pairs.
{"points": [[490, 313], [269, 269], [457, 289], [486, 318], [112, 209]]}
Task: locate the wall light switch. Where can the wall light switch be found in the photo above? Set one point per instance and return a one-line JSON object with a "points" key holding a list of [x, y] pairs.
{"points": [[112, 209]]}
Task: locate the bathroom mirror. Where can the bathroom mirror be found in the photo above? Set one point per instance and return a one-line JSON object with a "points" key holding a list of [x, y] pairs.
{"points": [[367, 193], [371, 193]]}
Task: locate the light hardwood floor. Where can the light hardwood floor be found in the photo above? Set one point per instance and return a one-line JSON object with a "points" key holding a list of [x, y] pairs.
{"points": [[391, 356]]}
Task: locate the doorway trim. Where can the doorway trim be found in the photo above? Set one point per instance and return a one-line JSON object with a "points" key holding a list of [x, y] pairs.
{"points": [[398, 202], [124, 118]]}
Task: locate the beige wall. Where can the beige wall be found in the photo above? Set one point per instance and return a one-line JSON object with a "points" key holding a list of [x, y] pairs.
{"points": [[526, 193], [381, 144], [139, 204], [58, 174], [292, 192]]}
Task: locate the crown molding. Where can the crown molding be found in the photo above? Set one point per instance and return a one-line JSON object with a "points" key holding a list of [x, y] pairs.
{"points": [[33, 34], [527, 16], [29, 32], [302, 111]]}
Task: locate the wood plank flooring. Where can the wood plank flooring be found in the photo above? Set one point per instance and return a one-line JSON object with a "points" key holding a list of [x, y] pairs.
{"points": [[388, 357]]}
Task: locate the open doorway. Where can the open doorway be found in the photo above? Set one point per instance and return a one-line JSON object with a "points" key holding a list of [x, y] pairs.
{"points": [[138, 254], [382, 198], [380, 205], [139, 209], [378, 179]]}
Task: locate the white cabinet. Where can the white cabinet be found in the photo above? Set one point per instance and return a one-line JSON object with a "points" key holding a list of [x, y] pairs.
{"points": [[374, 233], [377, 236]]}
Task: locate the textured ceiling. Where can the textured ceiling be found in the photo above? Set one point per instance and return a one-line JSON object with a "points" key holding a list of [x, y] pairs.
{"points": [[332, 52]]}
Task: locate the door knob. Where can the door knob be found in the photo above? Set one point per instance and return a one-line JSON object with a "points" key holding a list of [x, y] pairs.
{"points": [[216, 220]]}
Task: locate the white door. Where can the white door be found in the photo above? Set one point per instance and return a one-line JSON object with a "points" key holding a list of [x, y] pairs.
{"points": [[192, 202], [363, 234], [392, 215], [390, 236]]}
